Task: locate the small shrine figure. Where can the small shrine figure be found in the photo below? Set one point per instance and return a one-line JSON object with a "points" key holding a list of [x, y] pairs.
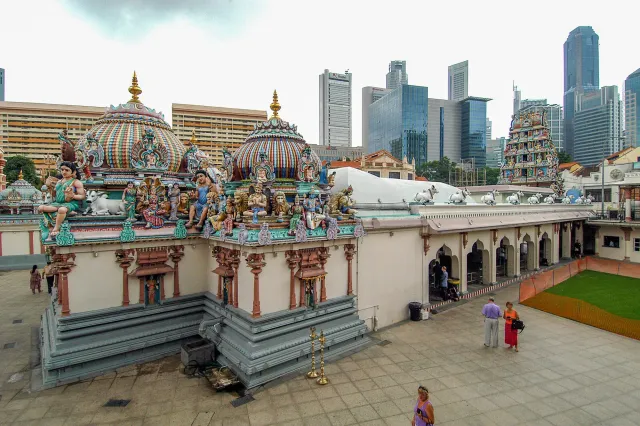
{"points": [[342, 203], [240, 200], [69, 191], [152, 293], [174, 201], [153, 213], [263, 170], [309, 294], [227, 164], [297, 210], [129, 197], [308, 166], [281, 206], [229, 209], [225, 290], [142, 194], [324, 172], [257, 204], [313, 212], [183, 207], [199, 208]]}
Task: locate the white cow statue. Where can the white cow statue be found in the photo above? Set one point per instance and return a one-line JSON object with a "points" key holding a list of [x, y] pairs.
{"points": [[515, 198], [567, 199], [589, 199], [459, 196], [550, 199], [535, 199], [490, 198], [101, 205], [426, 196]]}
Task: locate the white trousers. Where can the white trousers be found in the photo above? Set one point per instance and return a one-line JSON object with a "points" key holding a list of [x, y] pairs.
{"points": [[491, 332]]}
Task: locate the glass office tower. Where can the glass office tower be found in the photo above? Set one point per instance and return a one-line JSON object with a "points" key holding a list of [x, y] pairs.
{"points": [[631, 110], [398, 123], [474, 134]]}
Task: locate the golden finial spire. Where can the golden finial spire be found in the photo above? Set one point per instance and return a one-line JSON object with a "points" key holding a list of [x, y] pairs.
{"points": [[193, 138], [135, 90], [20, 176], [275, 106]]}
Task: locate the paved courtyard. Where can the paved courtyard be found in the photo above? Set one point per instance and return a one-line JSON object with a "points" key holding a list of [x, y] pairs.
{"points": [[565, 374]]}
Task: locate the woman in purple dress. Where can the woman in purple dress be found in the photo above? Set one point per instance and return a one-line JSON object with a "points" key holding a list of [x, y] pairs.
{"points": [[423, 410]]}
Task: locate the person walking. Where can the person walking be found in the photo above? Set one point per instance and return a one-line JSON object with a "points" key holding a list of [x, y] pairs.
{"points": [[48, 274], [491, 313], [444, 283], [35, 280], [510, 335], [423, 410]]}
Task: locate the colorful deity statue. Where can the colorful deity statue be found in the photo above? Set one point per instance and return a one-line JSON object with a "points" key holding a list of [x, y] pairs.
{"points": [[153, 213], [227, 164], [312, 212], [129, 198], [199, 208], [257, 204], [148, 154], [310, 294], [230, 212], [342, 203], [142, 194], [241, 203], [307, 166], [281, 206], [174, 201], [297, 211], [68, 194], [262, 170], [183, 207]]}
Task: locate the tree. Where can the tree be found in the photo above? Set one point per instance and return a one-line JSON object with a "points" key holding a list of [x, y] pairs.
{"points": [[20, 162], [564, 157], [436, 171], [492, 176]]}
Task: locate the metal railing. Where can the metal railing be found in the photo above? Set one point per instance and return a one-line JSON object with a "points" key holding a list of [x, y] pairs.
{"points": [[616, 216]]}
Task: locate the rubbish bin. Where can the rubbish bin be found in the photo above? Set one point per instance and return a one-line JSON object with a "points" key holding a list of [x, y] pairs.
{"points": [[414, 310]]}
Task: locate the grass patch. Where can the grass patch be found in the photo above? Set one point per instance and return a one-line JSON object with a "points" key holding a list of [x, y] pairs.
{"points": [[613, 293]]}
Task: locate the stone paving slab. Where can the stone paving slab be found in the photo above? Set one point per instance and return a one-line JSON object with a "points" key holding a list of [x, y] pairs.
{"points": [[566, 373]]}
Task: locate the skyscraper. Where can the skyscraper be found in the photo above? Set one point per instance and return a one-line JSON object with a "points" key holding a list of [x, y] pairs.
{"points": [[459, 81], [370, 94], [335, 109], [517, 95], [597, 125], [631, 110], [1, 84], [443, 130], [489, 128], [398, 123], [397, 74], [474, 131], [581, 75]]}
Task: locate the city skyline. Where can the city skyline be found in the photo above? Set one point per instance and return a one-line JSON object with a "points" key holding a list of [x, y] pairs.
{"points": [[197, 79]]}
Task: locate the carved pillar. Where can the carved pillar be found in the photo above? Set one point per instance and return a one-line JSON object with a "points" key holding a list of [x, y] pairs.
{"points": [[31, 242], [141, 300], [628, 243], [323, 256], [66, 263], [234, 260], [124, 258], [349, 250], [293, 260], [176, 253], [161, 284], [256, 262]]}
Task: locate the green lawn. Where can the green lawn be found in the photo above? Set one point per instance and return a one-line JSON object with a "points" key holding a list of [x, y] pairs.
{"points": [[613, 293]]}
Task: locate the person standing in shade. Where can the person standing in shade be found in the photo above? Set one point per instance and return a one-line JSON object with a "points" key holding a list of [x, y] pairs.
{"points": [[35, 280], [48, 274], [491, 313], [444, 283]]}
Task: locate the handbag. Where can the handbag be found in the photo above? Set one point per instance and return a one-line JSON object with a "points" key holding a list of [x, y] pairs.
{"points": [[517, 325]]}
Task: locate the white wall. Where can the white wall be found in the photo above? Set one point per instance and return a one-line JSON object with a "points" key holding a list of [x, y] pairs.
{"points": [[610, 252], [274, 284], [193, 271], [96, 283], [17, 243], [337, 268]]}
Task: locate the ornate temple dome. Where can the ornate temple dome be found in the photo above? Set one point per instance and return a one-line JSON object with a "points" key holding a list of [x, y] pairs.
{"points": [[279, 140], [123, 126], [20, 192]]}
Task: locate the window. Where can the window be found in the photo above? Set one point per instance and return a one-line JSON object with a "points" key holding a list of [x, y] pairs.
{"points": [[375, 173], [394, 175], [636, 244], [410, 176], [612, 242], [597, 194]]}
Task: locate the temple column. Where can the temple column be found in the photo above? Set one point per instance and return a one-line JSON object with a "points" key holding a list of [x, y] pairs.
{"points": [[161, 284], [141, 300], [234, 260], [176, 254], [492, 257], [462, 261], [323, 255], [293, 260], [31, 242], [124, 259], [628, 243], [566, 240], [349, 251], [256, 262], [65, 267], [627, 204]]}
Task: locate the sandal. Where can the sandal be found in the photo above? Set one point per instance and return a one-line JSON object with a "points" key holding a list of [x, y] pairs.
{"points": [[188, 225]]}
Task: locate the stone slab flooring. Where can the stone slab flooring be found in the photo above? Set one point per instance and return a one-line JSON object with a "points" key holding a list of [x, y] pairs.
{"points": [[565, 374]]}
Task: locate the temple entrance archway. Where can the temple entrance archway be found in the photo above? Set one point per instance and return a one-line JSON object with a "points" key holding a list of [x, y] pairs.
{"points": [[546, 250], [505, 259], [444, 257], [478, 268], [527, 254]]}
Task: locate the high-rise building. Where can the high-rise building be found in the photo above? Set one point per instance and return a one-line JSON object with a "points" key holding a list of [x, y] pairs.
{"points": [[495, 152], [398, 123], [370, 94], [335, 109], [489, 128], [459, 81], [397, 74], [32, 129], [598, 125], [215, 127], [581, 75], [516, 99], [332, 153], [631, 110], [555, 122], [2, 78], [443, 130], [473, 117]]}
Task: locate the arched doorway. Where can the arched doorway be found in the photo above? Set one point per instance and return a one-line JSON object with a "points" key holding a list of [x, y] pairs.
{"points": [[527, 254], [444, 257], [546, 250], [505, 259], [478, 270]]}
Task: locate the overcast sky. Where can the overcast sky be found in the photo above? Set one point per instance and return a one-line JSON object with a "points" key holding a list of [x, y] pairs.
{"points": [[233, 53]]}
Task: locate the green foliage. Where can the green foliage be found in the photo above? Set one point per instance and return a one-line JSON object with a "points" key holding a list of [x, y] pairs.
{"points": [[20, 162], [436, 171], [564, 157], [614, 293], [492, 176]]}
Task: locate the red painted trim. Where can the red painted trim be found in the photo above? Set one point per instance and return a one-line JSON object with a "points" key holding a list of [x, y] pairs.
{"points": [[31, 242]]}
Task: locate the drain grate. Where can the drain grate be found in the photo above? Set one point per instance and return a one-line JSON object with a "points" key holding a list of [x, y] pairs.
{"points": [[10, 345], [17, 321], [384, 343], [242, 400], [117, 403]]}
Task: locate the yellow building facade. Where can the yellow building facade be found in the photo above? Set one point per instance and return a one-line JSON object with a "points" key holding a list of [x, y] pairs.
{"points": [[32, 129], [215, 127]]}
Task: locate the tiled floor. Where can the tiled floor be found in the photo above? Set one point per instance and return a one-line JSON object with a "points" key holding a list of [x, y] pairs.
{"points": [[565, 374]]}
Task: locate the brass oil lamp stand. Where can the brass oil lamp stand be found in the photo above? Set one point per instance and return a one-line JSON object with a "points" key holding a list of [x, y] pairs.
{"points": [[322, 380], [313, 373]]}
